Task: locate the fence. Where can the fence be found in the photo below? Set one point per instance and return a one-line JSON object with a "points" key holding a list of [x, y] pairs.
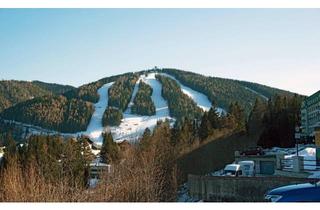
{"points": [[299, 164]]}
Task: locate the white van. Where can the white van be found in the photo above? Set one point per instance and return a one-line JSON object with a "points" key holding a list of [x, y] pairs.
{"points": [[232, 170], [243, 168], [247, 167]]}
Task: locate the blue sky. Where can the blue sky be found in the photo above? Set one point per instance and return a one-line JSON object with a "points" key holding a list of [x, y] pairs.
{"points": [[276, 47]]}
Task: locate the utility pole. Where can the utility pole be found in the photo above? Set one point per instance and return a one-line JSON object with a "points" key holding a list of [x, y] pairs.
{"points": [[297, 136]]}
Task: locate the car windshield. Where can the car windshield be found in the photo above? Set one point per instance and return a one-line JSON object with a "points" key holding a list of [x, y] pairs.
{"points": [[229, 172], [318, 184]]}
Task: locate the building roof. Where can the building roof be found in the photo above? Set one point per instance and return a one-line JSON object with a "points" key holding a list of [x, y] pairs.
{"points": [[313, 96]]}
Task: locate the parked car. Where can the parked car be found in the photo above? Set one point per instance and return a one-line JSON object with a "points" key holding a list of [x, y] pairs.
{"points": [[253, 151], [243, 168], [307, 192]]}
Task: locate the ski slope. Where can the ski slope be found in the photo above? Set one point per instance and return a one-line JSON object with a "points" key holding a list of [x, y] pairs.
{"points": [[199, 98], [132, 125], [95, 127]]}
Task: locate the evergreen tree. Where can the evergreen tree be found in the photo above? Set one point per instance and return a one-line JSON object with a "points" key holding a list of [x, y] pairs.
{"points": [[237, 116], [205, 127], [279, 122], [10, 149], [213, 117], [256, 117], [110, 150], [145, 139], [112, 117]]}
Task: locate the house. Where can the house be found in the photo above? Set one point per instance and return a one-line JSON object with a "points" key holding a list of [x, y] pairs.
{"points": [[97, 169]]}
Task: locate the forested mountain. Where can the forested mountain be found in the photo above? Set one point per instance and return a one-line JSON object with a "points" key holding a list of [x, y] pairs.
{"points": [[53, 87], [52, 112], [180, 105], [142, 103], [224, 91], [68, 109], [121, 91], [13, 91]]}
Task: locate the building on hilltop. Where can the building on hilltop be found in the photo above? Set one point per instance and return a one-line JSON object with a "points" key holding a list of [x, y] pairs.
{"points": [[310, 115]]}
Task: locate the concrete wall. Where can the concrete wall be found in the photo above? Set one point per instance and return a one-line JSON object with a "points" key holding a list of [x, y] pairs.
{"points": [[236, 189]]}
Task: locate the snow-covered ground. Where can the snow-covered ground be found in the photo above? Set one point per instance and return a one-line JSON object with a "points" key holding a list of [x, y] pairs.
{"points": [[308, 152], [132, 125], [201, 100], [309, 161], [262, 96], [95, 128]]}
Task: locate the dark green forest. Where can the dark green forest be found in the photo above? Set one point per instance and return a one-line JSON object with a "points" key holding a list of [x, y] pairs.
{"points": [[180, 105], [52, 112], [281, 117], [53, 87], [13, 92], [224, 91], [121, 91], [112, 117], [142, 103]]}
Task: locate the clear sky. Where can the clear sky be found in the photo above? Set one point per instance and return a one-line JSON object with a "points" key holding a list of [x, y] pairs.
{"points": [[276, 47]]}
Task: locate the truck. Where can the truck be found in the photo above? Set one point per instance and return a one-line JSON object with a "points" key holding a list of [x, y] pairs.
{"points": [[243, 168]]}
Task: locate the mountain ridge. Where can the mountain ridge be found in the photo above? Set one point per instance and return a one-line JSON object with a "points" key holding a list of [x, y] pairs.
{"points": [[76, 104]]}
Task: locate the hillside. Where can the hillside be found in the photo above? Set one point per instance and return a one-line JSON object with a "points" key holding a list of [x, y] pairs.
{"points": [[224, 91], [53, 87], [52, 112], [13, 91], [128, 103]]}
